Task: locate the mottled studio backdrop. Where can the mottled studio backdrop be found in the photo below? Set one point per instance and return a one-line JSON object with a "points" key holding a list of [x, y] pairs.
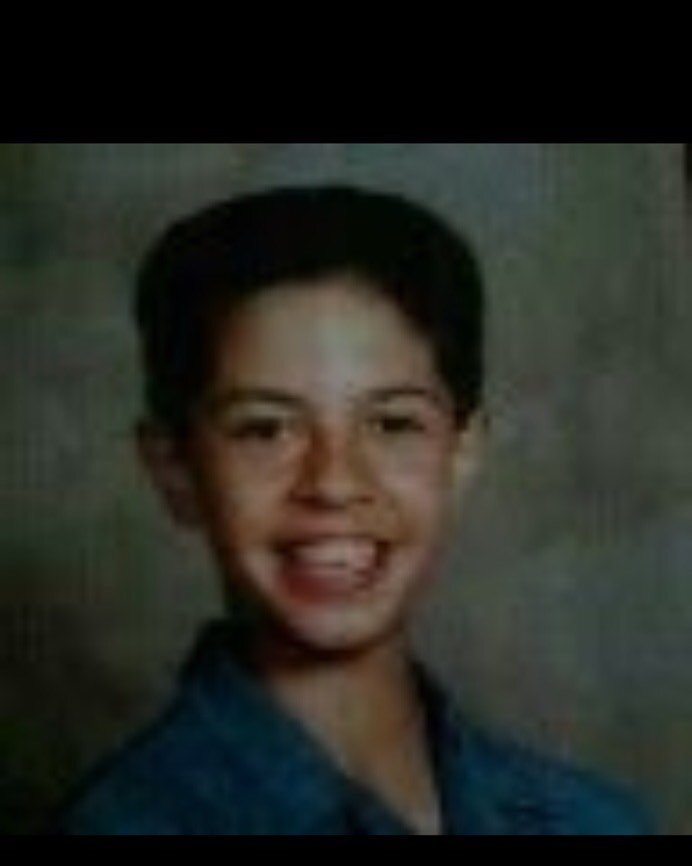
{"points": [[565, 613]]}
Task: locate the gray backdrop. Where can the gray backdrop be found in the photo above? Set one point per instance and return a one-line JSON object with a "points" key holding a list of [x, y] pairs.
{"points": [[564, 614]]}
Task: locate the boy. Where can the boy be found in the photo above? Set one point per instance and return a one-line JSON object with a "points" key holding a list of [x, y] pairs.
{"points": [[313, 361]]}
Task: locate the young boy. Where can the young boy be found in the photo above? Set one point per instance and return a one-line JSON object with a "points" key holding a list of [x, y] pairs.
{"points": [[313, 363]]}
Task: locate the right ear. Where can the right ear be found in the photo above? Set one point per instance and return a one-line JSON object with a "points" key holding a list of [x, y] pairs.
{"points": [[170, 472]]}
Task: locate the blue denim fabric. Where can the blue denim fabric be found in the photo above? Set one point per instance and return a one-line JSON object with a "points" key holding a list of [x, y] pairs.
{"points": [[226, 760]]}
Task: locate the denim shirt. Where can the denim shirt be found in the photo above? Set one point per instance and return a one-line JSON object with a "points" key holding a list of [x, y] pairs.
{"points": [[225, 759]]}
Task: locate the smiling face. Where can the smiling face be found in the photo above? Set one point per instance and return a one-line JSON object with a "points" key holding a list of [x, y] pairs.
{"points": [[319, 462]]}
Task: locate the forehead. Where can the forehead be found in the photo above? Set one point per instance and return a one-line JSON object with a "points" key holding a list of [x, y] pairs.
{"points": [[330, 336]]}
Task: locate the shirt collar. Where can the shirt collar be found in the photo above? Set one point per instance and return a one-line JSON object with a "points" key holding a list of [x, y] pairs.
{"points": [[480, 794], [486, 786], [290, 767]]}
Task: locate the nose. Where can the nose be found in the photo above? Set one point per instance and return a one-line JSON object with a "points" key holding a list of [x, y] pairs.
{"points": [[333, 473]]}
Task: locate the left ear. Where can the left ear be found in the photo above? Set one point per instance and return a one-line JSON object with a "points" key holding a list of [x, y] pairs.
{"points": [[468, 449]]}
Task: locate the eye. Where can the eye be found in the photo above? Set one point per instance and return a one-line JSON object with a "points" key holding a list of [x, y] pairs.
{"points": [[262, 429], [397, 423]]}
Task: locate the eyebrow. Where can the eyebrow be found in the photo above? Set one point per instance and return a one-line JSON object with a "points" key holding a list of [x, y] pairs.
{"points": [[239, 395]]}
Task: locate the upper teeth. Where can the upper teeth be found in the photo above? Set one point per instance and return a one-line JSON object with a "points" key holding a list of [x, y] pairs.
{"points": [[345, 552]]}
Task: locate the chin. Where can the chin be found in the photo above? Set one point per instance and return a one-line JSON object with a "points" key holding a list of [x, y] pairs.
{"points": [[339, 633]]}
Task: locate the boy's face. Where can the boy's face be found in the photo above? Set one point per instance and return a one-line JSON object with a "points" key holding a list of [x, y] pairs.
{"points": [[320, 462]]}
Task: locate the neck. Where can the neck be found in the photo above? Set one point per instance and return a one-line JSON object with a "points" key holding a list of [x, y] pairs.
{"points": [[358, 706]]}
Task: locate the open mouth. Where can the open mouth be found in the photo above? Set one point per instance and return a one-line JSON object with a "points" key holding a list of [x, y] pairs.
{"points": [[331, 568]]}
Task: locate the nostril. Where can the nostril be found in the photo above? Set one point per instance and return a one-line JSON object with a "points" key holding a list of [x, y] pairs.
{"points": [[325, 490]]}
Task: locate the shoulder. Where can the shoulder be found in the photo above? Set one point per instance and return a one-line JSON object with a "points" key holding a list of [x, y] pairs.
{"points": [[165, 781], [538, 794]]}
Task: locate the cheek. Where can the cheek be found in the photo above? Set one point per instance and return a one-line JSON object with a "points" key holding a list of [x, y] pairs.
{"points": [[239, 502], [422, 493]]}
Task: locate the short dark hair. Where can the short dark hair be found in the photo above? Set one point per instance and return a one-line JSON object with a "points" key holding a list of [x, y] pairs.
{"points": [[205, 264]]}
